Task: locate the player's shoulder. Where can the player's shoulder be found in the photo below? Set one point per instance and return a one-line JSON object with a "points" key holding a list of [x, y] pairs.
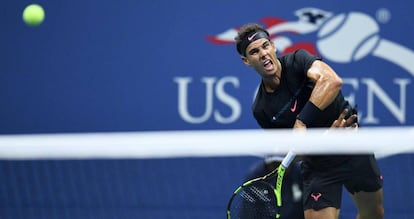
{"points": [[298, 61], [300, 53]]}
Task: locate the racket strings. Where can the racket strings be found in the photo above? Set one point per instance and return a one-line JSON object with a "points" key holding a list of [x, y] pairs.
{"points": [[257, 200], [260, 193]]}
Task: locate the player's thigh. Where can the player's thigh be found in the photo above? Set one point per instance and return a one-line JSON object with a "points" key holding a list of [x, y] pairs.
{"points": [[369, 203], [325, 213]]}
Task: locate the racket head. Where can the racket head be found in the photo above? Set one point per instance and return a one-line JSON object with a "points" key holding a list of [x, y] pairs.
{"points": [[254, 199]]}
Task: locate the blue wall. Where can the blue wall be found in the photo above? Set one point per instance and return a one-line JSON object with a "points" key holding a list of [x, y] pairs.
{"points": [[114, 66]]}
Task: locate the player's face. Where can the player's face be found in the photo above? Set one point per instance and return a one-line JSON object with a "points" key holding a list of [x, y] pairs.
{"points": [[261, 55]]}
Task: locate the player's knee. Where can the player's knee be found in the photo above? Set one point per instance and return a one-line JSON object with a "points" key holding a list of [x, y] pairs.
{"points": [[380, 212], [375, 213]]}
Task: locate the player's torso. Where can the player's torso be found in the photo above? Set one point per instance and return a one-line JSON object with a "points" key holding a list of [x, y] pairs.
{"points": [[280, 108]]}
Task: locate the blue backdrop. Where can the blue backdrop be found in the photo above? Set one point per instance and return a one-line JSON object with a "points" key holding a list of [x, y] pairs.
{"points": [[115, 66]]}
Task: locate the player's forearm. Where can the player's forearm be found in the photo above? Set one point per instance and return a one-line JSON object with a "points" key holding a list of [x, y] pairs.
{"points": [[326, 88], [323, 95]]}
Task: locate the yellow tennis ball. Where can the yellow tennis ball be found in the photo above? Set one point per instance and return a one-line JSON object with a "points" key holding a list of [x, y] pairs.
{"points": [[33, 15]]}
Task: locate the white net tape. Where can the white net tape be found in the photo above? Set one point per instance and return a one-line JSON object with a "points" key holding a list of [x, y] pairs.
{"points": [[382, 141]]}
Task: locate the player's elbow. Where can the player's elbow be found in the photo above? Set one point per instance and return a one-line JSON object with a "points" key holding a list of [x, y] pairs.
{"points": [[323, 74], [332, 82], [336, 82]]}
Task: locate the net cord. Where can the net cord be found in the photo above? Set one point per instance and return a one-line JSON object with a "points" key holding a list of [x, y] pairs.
{"points": [[383, 141]]}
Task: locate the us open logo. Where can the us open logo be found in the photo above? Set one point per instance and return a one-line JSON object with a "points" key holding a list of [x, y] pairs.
{"points": [[341, 38]]}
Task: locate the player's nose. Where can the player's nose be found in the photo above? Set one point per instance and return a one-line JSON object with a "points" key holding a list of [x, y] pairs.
{"points": [[262, 54]]}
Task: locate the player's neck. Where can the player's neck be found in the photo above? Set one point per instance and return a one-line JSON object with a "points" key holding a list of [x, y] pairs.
{"points": [[271, 84]]}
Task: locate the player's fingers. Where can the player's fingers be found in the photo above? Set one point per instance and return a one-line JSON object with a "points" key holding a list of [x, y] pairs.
{"points": [[354, 126], [343, 114], [335, 124], [340, 121], [351, 120], [343, 123]]}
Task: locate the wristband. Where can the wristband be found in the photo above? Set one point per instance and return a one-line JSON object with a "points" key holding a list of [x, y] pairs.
{"points": [[308, 113]]}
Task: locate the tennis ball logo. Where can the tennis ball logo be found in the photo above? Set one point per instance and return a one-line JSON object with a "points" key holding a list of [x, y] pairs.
{"points": [[348, 37], [33, 15]]}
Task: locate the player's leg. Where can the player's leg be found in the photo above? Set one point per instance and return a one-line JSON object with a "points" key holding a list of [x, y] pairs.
{"points": [[369, 204], [365, 185], [325, 213], [322, 192]]}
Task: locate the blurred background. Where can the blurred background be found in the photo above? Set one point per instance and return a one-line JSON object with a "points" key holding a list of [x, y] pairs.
{"points": [[152, 65]]}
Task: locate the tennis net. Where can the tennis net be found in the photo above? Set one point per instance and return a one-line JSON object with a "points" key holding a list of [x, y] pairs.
{"points": [[175, 174]]}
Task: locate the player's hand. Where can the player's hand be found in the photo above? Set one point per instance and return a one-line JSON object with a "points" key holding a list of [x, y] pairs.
{"points": [[299, 125], [341, 122]]}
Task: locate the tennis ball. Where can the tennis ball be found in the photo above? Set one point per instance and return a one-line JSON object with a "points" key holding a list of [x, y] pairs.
{"points": [[33, 15]]}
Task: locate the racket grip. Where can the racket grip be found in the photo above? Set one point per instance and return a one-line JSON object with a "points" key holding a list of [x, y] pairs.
{"points": [[288, 159]]}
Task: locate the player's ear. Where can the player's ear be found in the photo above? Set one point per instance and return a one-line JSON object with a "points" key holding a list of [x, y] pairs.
{"points": [[245, 60]]}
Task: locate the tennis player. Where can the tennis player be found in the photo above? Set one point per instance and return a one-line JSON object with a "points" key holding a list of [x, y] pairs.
{"points": [[300, 91]]}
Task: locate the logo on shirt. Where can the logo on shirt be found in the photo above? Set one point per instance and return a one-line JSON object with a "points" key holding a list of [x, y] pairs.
{"points": [[293, 109]]}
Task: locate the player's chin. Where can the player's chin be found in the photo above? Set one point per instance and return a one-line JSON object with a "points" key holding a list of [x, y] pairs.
{"points": [[270, 75], [269, 71], [269, 68]]}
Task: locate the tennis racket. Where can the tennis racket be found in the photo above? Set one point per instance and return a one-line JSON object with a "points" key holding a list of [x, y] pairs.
{"points": [[257, 198]]}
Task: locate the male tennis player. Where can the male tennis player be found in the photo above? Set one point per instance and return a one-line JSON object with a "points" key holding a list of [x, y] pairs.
{"points": [[300, 91]]}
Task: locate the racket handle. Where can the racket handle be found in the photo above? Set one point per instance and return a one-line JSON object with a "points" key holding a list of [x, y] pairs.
{"points": [[288, 159]]}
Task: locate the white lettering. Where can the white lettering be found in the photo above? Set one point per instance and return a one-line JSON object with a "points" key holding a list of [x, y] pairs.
{"points": [[353, 82], [183, 103], [373, 89], [215, 88], [227, 99], [183, 99]]}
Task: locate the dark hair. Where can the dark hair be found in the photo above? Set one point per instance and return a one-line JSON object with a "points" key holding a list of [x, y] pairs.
{"points": [[244, 32]]}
